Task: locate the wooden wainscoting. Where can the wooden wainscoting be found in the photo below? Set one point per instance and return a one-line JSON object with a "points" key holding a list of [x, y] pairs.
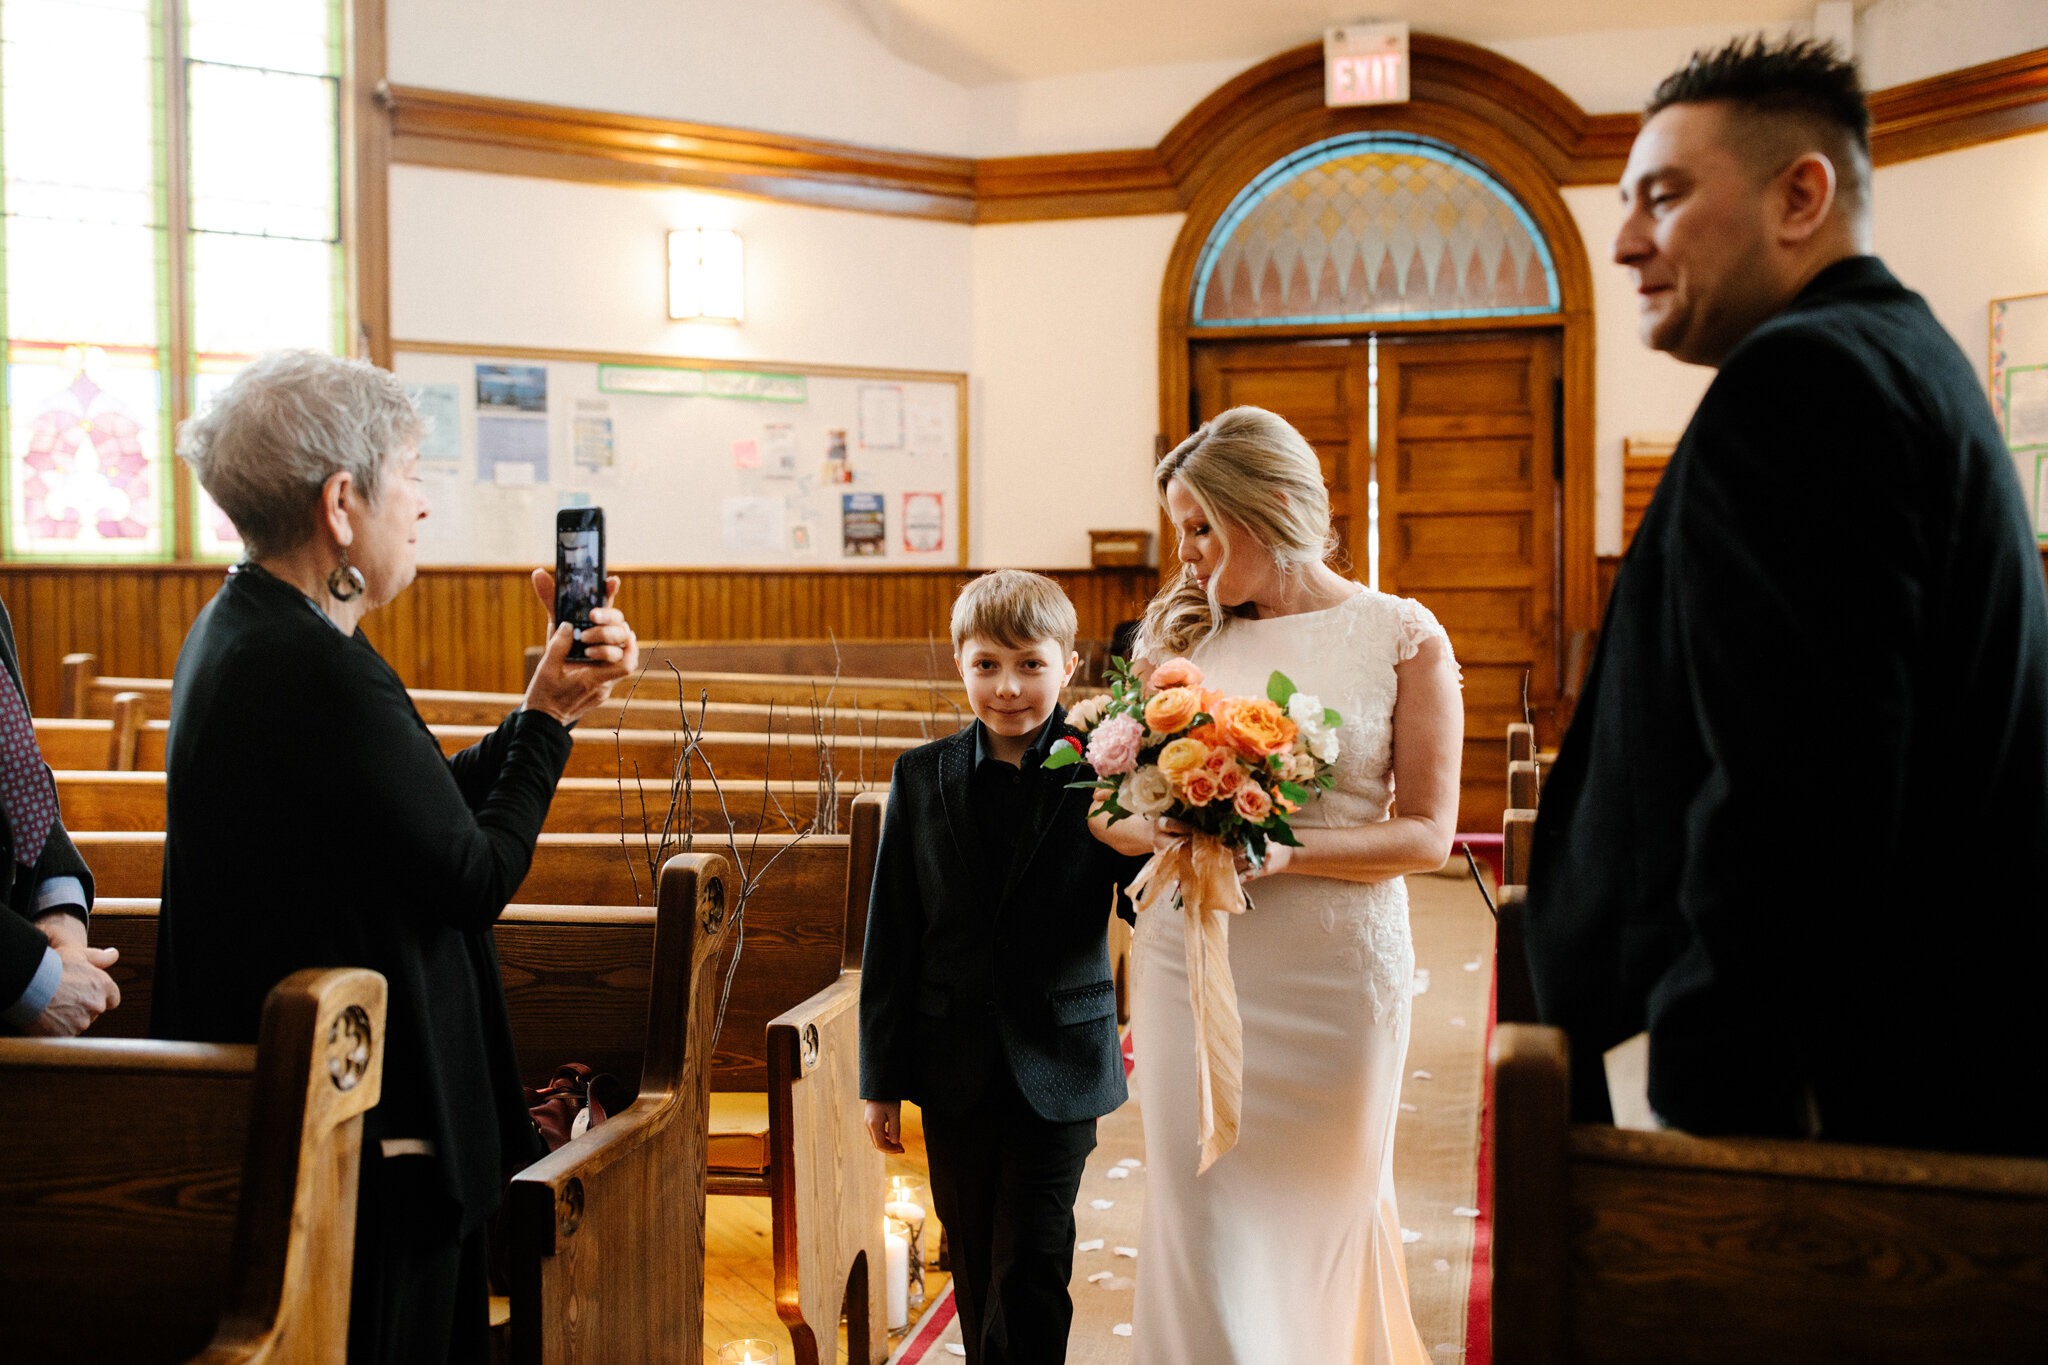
{"points": [[465, 628]]}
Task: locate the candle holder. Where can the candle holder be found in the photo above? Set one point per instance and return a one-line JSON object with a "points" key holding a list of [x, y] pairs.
{"points": [[906, 1202], [751, 1351]]}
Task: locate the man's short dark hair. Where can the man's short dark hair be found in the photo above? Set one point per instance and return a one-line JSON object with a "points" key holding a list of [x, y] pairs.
{"points": [[1790, 84]]}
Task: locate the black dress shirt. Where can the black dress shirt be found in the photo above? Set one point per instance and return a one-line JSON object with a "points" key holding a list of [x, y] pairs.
{"points": [[1005, 796]]}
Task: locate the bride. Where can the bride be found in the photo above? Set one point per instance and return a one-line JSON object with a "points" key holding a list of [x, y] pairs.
{"points": [[1288, 1247]]}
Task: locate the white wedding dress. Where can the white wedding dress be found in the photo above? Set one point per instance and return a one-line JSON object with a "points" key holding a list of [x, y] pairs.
{"points": [[1289, 1247]]}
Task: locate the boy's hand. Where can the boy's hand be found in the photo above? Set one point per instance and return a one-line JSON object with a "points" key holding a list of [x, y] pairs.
{"points": [[884, 1119]]}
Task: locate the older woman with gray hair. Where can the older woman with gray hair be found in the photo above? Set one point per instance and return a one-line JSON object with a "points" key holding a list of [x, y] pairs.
{"points": [[313, 821]]}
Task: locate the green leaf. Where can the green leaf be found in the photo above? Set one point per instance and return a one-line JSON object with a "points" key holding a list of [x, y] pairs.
{"points": [[1331, 720], [1281, 833], [1063, 755], [1279, 688], [1294, 792]]}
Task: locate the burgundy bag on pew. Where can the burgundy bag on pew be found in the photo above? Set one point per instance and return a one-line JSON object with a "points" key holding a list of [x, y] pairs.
{"points": [[575, 1100]]}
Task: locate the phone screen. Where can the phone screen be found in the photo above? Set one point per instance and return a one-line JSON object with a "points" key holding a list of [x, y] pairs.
{"points": [[579, 570]]}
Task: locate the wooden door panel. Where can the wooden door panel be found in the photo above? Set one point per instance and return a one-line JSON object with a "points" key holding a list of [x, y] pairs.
{"points": [[1468, 526], [1463, 467], [1465, 386], [1294, 393]]}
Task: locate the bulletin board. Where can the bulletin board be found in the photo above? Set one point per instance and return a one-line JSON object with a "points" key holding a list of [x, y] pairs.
{"points": [[696, 463], [2019, 394]]}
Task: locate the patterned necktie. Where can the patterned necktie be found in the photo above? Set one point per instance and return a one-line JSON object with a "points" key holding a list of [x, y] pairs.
{"points": [[27, 795]]}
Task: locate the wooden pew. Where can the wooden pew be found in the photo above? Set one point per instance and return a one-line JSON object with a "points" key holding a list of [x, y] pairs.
{"points": [[1514, 989], [88, 696], [1616, 1246], [786, 1115], [608, 1231], [581, 805], [180, 1201], [123, 742]]}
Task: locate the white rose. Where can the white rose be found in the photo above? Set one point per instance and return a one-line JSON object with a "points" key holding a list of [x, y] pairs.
{"points": [[1301, 768], [1323, 744], [1147, 792], [1085, 714], [1305, 710]]}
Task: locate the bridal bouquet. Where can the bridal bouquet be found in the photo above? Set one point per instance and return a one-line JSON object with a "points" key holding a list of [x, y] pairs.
{"points": [[1234, 769]]}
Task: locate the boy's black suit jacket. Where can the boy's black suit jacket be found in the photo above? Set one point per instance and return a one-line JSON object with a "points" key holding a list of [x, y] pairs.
{"points": [[969, 968], [1799, 827]]}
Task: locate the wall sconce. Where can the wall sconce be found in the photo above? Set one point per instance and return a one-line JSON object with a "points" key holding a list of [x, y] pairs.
{"points": [[706, 275]]}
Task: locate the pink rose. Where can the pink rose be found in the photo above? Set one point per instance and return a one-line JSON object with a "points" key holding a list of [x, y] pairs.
{"points": [[1174, 673], [1113, 748], [1253, 804]]}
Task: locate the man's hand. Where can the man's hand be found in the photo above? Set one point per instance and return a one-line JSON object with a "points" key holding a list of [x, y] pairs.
{"points": [[86, 991], [884, 1119]]}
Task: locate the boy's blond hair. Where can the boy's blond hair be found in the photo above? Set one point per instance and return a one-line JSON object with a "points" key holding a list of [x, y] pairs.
{"points": [[1014, 609]]}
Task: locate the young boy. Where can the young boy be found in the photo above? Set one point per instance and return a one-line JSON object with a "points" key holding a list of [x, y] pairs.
{"points": [[986, 995]]}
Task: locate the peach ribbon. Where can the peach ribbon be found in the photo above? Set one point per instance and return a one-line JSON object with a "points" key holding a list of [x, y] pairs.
{"points": [[1204, 873]]}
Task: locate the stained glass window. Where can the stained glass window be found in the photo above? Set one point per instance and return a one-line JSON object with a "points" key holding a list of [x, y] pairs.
{"points": [[1373, 227], [92, 278]]}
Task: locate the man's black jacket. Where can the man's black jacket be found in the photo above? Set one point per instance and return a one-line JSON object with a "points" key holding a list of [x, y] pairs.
{"points": [[1799, 827]]}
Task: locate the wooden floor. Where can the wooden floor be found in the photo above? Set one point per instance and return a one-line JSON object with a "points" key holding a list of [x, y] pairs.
{"points": [[739, 1273]]}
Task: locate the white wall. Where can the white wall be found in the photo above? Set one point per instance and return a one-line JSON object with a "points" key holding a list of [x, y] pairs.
{"points": [[1967, 228], [509, 261], [1066, 392]]}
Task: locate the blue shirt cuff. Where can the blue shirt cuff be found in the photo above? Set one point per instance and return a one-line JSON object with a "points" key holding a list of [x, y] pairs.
{"points": [[42, 988], [61, 893]]}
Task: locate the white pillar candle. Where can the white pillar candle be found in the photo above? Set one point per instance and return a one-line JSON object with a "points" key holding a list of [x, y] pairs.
{"points": [[897, 1278]]}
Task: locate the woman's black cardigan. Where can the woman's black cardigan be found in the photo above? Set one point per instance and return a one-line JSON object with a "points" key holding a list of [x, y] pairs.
{"points": [[313, 822]]}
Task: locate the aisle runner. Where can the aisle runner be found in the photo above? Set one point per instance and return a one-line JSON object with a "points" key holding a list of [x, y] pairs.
{"points": [[1436, 1162]]}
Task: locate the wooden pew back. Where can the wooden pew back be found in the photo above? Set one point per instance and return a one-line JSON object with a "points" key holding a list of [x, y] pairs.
{"points": [[581, 805], [608, 1231], [158, 1196], [574, 953], [88, 696], [1615, 1246]]}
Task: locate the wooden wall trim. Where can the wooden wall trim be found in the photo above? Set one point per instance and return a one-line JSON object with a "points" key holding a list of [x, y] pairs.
{"points": [[511, 137], [467, 627], [1958, 109], [1999, 99], [366, 185]]}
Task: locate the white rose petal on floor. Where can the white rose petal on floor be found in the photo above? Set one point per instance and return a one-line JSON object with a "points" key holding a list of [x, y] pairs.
{"points": [[1464, 1213], [1102, 1203], [1092, 1244], [1122, 1329], [1131, 1163], [1410, 1236], [1117, 1173]]}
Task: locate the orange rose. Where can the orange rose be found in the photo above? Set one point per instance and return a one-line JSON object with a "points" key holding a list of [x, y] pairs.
{"points": [[1176, 673], [1172, 709], [1198, 788], [1253, 804], [1231, 778], [1254, 726], [1182, 757]]}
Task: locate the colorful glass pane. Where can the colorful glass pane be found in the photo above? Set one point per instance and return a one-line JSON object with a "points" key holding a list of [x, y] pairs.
{"points": [[84, 272], [215, 537], [1373, 227], [86, 430]]}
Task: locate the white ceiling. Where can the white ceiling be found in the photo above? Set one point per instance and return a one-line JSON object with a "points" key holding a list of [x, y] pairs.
{"points": [[980, 42]]}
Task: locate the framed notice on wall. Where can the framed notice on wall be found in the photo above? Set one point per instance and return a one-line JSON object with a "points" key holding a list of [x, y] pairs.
{"points": [[2019, 393]]}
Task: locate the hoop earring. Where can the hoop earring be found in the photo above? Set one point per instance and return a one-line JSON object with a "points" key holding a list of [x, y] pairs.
{"points": [[346, 583]]}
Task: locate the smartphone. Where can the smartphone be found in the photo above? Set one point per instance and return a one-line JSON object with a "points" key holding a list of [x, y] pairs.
{"points": [[579, 571]]}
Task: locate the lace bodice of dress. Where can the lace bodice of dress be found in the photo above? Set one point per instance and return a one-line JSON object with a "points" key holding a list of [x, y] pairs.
{"points": [[1345, 656]]}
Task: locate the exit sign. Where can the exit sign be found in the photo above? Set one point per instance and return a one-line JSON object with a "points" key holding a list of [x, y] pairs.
{"points": [[1365, 64]]}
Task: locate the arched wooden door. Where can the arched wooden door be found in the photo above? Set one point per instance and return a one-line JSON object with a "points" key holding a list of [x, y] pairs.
{"points": [[1464, 463]]}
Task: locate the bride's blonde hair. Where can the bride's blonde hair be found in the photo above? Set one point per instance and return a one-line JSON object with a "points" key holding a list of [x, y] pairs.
{"points": [[1250, 466]]}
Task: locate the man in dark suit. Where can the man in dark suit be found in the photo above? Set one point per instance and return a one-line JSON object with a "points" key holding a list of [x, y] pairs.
{"points": [[51, 983], [1798, 830], [986, 992]]}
